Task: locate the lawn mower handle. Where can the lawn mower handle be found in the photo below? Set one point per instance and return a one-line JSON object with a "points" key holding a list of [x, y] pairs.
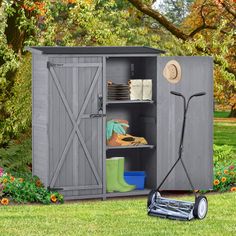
{"points": [[185, 109], [194, 95]]}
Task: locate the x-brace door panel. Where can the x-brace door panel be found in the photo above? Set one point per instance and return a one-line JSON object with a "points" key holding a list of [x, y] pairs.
{"points": [[75, 133]]}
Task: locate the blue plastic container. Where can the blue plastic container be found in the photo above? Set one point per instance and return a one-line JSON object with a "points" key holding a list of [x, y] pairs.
{"points": [[135, 178]]}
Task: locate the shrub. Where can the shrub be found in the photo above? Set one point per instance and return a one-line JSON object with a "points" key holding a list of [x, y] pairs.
{"points": [[17, 108], [22, 190], [224, 168], [223, 155], [224, 177], [17, 157]]}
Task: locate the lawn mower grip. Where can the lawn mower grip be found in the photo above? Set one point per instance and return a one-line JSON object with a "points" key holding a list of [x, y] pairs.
{"points": [[176, 93], [199, 94]]}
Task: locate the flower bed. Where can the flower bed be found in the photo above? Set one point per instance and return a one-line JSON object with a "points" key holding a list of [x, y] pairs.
{"points": [[28, 190], [225, 178], [224, 169]]}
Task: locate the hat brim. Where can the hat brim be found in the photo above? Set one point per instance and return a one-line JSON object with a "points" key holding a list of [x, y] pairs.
{"points": [[172, 71]]}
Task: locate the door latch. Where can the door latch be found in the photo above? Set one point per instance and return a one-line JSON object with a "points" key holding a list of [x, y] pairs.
{"points": [[100, 103]]}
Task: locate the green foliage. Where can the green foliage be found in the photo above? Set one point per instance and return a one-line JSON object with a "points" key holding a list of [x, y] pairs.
{"points": [[61, 23], [224, 168], [8, 59], [18, 107], [17, 157], [224, 177], [223, 155], [27, 190], [19, 27], [104, 23]]}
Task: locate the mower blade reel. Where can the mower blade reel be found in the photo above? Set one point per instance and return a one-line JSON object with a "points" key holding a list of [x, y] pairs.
{"points": [[171, 209]]}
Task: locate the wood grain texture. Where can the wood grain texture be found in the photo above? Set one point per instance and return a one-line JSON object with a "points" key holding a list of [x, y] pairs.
{"points": [[197, 155], [159, 122], [40, 142], [81, 166]]}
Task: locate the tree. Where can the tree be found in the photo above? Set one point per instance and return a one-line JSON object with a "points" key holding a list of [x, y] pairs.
{"points": [[56, 22], [219, 42], [208, 30]]}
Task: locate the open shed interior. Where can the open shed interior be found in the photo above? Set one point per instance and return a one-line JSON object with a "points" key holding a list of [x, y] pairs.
{"points": [[141, 115]]}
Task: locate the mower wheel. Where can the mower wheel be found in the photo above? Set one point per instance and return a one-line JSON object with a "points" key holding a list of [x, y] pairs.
{"points": [[151, 196], [200, 207]]}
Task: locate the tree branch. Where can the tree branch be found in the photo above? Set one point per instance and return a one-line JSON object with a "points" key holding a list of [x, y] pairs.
{"points": [[229, 8], [166, 23], [160, 18], [173, 29]]}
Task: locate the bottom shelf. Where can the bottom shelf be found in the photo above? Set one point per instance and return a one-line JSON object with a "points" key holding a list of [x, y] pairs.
{"points": [[131, 193]]}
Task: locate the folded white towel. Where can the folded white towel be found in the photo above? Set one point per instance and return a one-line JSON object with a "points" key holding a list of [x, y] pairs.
{"points": [[147, 89], [136, 89]]}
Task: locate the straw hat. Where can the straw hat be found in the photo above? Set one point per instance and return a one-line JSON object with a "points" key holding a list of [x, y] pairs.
{"points": [[172, 71]]}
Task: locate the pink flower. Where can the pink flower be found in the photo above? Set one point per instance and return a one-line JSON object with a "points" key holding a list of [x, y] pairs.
{"points": [[1, 171], [231, 167]]}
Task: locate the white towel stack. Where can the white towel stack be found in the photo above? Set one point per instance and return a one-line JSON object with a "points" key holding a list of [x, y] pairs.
{"points": [[140, 89]]}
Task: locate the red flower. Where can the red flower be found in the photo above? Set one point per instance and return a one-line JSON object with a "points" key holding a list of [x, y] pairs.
{"points": [[231, 167]]}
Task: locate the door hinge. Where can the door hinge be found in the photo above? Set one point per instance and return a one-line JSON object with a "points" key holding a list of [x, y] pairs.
{"points": [[49, 64], [55, 189]]}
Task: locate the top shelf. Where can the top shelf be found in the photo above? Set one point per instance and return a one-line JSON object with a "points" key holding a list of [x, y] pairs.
{"points": [[128, 101]]}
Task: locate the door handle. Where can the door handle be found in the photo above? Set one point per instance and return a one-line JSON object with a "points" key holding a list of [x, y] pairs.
{"points": [[97, 115]]}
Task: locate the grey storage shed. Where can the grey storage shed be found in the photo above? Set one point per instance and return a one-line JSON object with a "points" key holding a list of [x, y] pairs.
{"points": [[70, 110]]}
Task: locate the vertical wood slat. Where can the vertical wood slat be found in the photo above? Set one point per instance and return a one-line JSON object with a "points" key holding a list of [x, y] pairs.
{"points": [[75, 110], [87, 123], [82, 93], [68, 165], [104, 154]]}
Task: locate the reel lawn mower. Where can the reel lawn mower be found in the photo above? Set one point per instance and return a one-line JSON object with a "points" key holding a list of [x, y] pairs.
{"points": [[175, 209]]}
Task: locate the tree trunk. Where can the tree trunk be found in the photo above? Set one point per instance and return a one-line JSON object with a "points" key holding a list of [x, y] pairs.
{"points": [[233, 111]]}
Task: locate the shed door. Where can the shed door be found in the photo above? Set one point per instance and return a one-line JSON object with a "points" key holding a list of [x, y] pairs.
{"points": [[196, 76], [75, 125]]}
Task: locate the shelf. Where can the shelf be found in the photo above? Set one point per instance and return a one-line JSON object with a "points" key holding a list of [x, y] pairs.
{"points": [[130, 147], [129, 102], [144, 192]]}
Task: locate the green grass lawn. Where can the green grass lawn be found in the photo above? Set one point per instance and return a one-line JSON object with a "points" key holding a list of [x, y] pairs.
{"points": [[225, 134], [115, 217], [122, 216], [221, 114]]}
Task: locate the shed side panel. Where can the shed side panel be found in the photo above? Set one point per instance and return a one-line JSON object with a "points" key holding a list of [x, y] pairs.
{"points": [[40, 143], [197, 154]]}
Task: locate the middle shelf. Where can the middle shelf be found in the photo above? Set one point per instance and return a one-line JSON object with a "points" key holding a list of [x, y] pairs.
{"points": [[130, 147], [129, 102]]}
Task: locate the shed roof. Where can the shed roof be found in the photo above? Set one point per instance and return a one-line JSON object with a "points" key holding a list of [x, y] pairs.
{"points": [[95, 50]]}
